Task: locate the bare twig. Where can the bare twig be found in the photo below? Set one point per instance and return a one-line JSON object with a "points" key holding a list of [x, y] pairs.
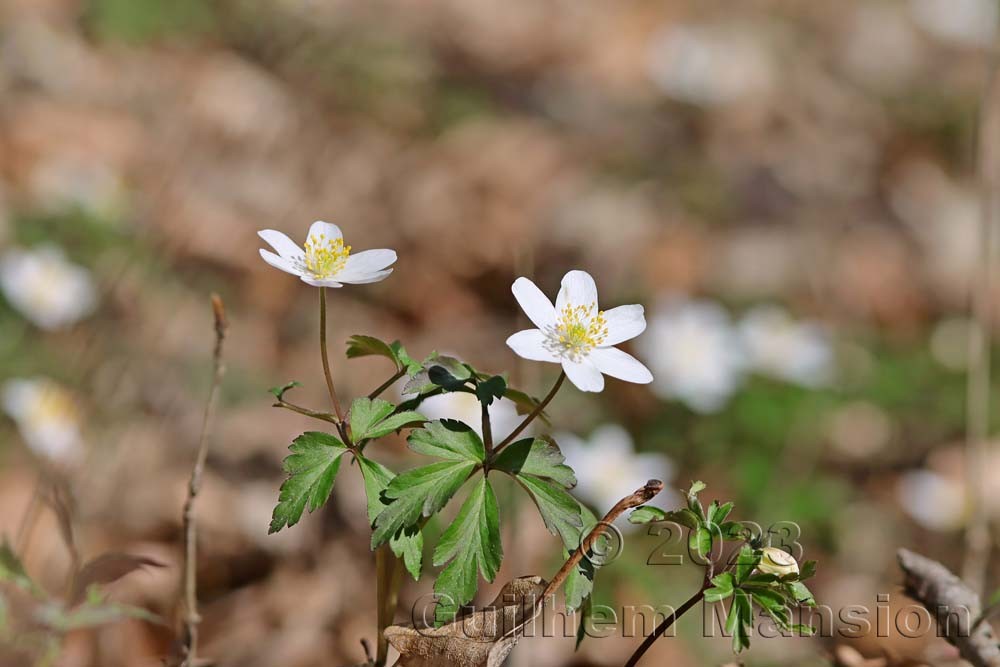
{"points": [[191, 617], [954, 606], [534, 413], [977, 536]]}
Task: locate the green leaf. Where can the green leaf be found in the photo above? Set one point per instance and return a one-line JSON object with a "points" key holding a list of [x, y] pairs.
{"points": [[801, 593], [12, 570], [491, 389], [717, 513], [743, 610], [524, 403], [746, 562], [369, 346], [723, 588], [586, 613], [372, 419], [408, 543], [471, 544], [580, 582], [647, 514], [560, 511], [537, 457], [448, 439], [279, 392], [692, 499], [312, 468], [404, 360], [803, 630], [732, 531], [418, 492], [700, 543], [808, 571]]}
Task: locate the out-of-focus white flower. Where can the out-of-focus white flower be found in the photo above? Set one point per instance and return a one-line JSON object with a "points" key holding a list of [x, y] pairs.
{"points": [[326, 261], [607, 467], [45, 287], [932, 500], [779, 346], [575, 334], [67, 182], [962, 22], [709, 65], [777, 561], [46, 416], [465, 407], [695, 352]]}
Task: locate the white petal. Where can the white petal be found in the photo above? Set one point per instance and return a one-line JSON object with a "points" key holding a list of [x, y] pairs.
{"points": [[316, 282], [530, 344], [578, 288], [366, 263], [534, 303], [621, 365], [624, 323], [584, 375], [327, 229], [286, 265], [364, 278], [286, 247]]}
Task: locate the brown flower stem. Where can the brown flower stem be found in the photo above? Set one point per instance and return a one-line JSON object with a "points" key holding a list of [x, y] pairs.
{"points": [[534, 413], [389, 574], [326, 360], [191, 617], [666, 623], [322, 416]]}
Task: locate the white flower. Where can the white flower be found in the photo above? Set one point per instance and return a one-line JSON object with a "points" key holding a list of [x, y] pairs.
{"points": [[326, 261], [46, 416], [695, 352], [465, 407], [577, 335], [962, 22], [607, 467], [934, 501], [777, 561], [779, 346], [45, 287]]}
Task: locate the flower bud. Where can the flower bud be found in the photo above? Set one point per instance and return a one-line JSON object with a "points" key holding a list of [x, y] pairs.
{"points": [[778, 562]]}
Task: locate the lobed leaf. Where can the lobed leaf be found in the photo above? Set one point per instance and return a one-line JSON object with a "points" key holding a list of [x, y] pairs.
{"points": [[448, 439], [537, 457], [418, 492], [407, 544], [312, 468], [279, 392], [374, 418], [491, 389]]}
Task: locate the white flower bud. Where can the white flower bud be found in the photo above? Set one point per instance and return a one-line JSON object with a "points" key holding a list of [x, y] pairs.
{"points": [[778, 562]]}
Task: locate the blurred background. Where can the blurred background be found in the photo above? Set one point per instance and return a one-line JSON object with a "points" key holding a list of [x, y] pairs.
{"points": [[789, 188]]}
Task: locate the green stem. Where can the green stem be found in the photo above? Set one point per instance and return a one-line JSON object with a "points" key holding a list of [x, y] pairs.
{"points": [[326, 359], [534, 413], [323, 416], [388, 383]]}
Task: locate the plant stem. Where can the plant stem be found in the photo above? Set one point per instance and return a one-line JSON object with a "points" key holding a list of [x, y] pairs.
{"points": [[388, 383], [322, 416], [534, 413], [389, 574], [191, 617], [326, 359], [665, 625], [487, 431]]}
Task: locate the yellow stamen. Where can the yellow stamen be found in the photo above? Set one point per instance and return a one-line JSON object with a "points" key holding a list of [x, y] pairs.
{"points": [[324, 257], [578, 330]]}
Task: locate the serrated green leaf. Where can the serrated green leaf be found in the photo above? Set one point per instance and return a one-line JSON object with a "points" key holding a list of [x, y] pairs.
{"points": [[723, 588], [405, 361], [803, 630], [732, 531], [586, 613], [491, 389], [580, 581], [768, 599], [717, 513], [279, 392], [418, 492], [559, 510], [700, 543], [471, 543], [537, 457], [746, 562], [647, 514], [801, 593], [374, 418], [808, 571], [368, 346], [448, 439], [408, 543], [692, 499], [312, 469], [524, 404], [744, 612]]}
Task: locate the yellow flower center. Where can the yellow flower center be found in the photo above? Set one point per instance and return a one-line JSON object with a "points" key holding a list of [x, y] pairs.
{"points": [[324, 257], [577, 331], [52, 404]]}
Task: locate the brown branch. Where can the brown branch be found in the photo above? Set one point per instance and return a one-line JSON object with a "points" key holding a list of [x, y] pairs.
{"points": [[953, 605], [191, 617]]}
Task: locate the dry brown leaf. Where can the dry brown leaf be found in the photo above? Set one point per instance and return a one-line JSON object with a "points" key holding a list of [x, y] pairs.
{"points": [[482, 638], [107, 568]]}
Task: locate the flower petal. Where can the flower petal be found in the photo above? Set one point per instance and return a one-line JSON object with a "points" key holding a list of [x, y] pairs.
{"points": [[366, 263], [316, 282], [327, 229], [364, 278], [285, 246], [583, 374], [530, 344], [578, 288], [534, 303], [285, 264], [624, 323], [621, 365]]}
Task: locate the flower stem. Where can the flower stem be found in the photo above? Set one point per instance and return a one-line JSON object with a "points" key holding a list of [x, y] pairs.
{"points": [[534, 413], [388, 383], [665, 625], [487, 430], [326, 359]]}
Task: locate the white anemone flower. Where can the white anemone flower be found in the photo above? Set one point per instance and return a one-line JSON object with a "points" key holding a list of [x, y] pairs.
{"points": [[46, 416], [779, 346], [465, 407], [326, 261], [607, 466], [577, 335], [696, 353], [45, 287]]}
